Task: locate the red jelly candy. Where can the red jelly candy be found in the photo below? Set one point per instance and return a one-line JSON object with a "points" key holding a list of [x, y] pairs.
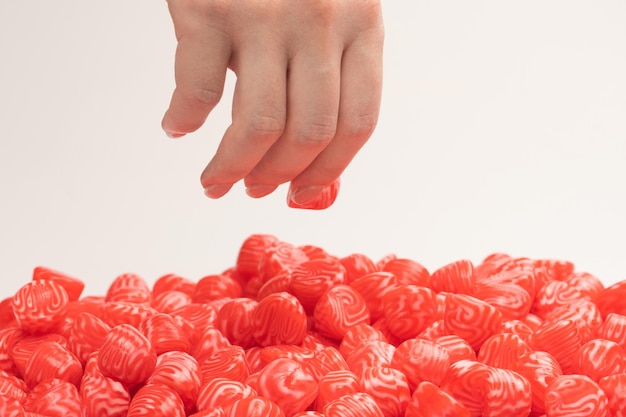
{"points": [[466, 381], [73, 286], [552, 295], [170, 301], [358, 335], [517, 327], [213, 287], [614, 328], [508, 394], [540, 369], [503, 350], [200, 316], [599, 358], [7, 318], [311, 279], [181, 372], [8, 338], [227, 362], [409, 309], [173, 282], [87, 335], [611, 299], [511, 300], [471, 319], [334, 385], [458, 349], [358, 404], [279, 257], [116, 313], [215, 412], [221, 392], [129, 288], [22, 349], [429, 400], [40, 306], [614, 386], [373, 353], [102, 396], [491, 265], [357, 265], [388, 387], [338, 309], [408, 271], [315, 252], [55, 398], [285, 382], [10, 407], [587, 285], [557, 269], [280, 282], [524, 278], [421, 360], [13, 387], [255, 407], [164, 334], [324, 200], [575, 396], [212, 340], [456, 277], [325, 361], [127, 355], [290, 329], [316, 342], [561, 339], [299, 354], [234, 320], [584, 313], [373, 287], [251, 252], [52, 360], [156, 400]]}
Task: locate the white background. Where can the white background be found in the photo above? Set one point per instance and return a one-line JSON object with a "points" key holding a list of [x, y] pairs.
{"points": [[503, 129]]}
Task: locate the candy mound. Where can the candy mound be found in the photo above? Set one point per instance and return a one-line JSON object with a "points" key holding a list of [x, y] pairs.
{"points": [[295, 331]]}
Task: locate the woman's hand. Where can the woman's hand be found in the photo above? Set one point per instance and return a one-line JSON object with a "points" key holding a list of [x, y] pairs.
{"points": [[308, 90]]}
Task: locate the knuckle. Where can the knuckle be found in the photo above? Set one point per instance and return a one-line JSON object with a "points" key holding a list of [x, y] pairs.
{"points": [[319, 132], [323, 11], [361, 127], [206, 96], [265, 126]]}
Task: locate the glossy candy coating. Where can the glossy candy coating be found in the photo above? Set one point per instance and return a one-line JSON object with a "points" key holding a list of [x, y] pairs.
{"points": [[575, 396], [40, 306], [290, 329], [338, 309], [127, 355]]}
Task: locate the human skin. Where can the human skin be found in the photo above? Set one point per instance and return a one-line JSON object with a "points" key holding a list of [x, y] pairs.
{"points": [[307, 94]]}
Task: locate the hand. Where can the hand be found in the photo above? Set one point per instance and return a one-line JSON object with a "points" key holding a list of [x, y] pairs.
{"points": [[307, 95]]}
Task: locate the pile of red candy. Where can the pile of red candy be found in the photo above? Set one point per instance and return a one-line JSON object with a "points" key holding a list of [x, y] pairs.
{"points": [[294, 331]]}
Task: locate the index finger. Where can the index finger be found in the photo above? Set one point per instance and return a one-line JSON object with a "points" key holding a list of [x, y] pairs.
{"points": [[201, 63]]}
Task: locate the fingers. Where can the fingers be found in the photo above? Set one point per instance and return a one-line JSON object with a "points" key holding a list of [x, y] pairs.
{"points": [[259, 115], [313, 89], [307, 93], [361, 89], [202, 57]]}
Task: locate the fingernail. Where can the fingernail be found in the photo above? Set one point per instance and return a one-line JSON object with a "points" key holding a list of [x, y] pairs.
{"points": [[305, 194], [174, 135], [259, 190], [313, 197], [217, 190]]}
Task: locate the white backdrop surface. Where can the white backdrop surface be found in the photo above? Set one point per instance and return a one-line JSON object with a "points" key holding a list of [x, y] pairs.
{"points": [[503, 129]]}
